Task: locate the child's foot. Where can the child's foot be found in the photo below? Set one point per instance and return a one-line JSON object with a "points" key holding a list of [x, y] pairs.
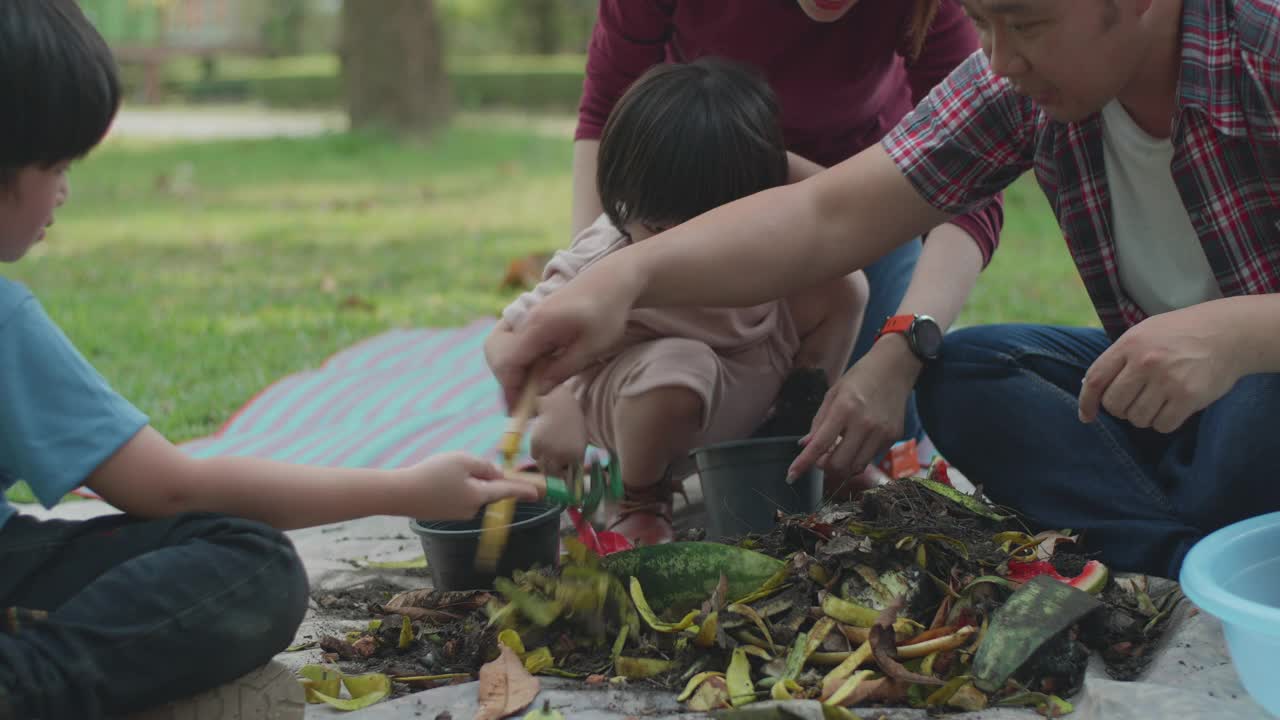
{"points": [[269, 693], [644, 515]]}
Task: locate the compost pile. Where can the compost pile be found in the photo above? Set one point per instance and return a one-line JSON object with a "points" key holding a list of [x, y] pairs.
{"points": [[914, 594]]}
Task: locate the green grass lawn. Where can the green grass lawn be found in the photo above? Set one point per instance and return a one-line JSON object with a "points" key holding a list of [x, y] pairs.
{"points": [[193, 275]]}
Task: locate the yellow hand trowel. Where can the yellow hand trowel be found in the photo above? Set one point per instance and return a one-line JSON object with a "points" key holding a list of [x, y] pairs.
{"points": [[496, 524]]}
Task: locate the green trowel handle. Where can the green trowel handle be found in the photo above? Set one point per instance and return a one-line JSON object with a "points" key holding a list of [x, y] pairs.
{"points": [[605, 482]]}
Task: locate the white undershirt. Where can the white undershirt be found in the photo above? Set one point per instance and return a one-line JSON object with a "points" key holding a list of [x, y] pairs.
{"points": [[1161, 262]]}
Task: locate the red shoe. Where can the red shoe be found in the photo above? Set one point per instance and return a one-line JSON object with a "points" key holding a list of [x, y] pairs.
{"points": [[644, 515]]}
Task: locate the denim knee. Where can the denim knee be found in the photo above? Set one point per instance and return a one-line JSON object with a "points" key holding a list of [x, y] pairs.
{"points": [[283, 589], [1228, 454], [262, 617]]}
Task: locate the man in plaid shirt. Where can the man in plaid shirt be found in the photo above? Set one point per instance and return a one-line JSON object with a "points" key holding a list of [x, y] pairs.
{"points": [[1152, 127]]}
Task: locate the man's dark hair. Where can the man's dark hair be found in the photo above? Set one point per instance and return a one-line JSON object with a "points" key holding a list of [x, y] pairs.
{"points": [[686, 138], [59, 90]]}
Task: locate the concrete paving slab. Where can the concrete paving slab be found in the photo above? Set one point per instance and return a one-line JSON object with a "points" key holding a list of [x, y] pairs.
{"points": [[571, 698]]}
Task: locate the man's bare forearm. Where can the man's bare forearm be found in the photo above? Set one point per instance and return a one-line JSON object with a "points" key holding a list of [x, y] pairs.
{"points": [[778, 242], [801, 168], [944, 277]]}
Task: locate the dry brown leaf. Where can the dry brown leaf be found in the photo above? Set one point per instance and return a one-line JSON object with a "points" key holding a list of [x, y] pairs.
{"points": [[506, 687], [884, 645], [355, 302], [1048, 543], [338, 647], [944, 609], [719, 596], [435, 606], [366, 646], [525, 272], [417, 614], [439, 599]]}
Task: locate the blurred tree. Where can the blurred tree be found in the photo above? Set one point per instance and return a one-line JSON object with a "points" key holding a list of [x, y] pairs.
{"points": [[393, 66], [544, 25]]}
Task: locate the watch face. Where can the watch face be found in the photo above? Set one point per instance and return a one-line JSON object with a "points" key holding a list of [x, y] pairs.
{"points": [[927, 336]]}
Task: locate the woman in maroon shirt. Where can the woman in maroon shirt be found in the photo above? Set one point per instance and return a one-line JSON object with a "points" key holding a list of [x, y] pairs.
{"points": [[845, 72]]}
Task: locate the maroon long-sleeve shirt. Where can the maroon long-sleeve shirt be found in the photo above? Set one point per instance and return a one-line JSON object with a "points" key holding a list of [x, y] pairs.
{"points": [[841, 85]]}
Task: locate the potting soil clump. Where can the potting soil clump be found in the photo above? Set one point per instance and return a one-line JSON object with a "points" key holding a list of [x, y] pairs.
{"points": [[915, 594]]}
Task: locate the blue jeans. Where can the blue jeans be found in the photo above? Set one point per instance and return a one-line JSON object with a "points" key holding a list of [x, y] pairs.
{"points": [[887, 280], [1001, 404], [140, 612]]}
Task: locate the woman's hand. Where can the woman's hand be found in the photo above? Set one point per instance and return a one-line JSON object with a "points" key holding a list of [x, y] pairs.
{"points": [[864, 413], [573, 328]]}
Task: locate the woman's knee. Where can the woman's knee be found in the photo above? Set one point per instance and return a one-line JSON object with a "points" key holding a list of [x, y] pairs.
{"points": [[675, 380]]}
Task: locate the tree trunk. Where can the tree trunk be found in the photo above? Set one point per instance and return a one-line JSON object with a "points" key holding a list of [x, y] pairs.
{"points": [[393, 66], [544, 19]]}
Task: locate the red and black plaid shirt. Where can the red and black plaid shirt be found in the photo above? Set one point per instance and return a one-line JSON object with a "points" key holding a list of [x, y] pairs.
{"points": [[974, 135]]}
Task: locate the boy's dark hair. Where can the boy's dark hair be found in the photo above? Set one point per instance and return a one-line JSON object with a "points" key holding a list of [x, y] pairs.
{"points": [[58, 85], [686, 138]]}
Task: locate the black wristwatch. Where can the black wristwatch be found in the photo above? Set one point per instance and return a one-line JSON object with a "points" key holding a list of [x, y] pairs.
{"points": [[923, 335]]}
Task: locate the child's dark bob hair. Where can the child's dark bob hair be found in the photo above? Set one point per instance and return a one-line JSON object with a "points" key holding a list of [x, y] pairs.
{"points": [[58, 85], [687, 138]]}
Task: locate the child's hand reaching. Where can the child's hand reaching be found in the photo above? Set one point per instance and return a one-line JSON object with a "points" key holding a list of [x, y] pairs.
{"points": [[558, 440], [458, 485]]}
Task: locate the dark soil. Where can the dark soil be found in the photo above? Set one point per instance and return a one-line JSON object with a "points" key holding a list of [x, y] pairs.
{"points": [[796, 405], [353, 603], [1069, 564], [1127, 637], [459, 647]]}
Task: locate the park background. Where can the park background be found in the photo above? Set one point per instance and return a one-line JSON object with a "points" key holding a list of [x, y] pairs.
{"points": [[288, 178]]}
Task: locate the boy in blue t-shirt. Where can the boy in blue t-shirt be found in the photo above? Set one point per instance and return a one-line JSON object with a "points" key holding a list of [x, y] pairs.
{"points": [[194, 585]]}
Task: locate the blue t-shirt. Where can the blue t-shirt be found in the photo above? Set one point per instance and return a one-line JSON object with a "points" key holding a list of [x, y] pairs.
{"points": [[59, 419]]}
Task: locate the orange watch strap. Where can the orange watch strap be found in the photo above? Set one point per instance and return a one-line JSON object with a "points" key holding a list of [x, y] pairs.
{"points": [[896, 324]]}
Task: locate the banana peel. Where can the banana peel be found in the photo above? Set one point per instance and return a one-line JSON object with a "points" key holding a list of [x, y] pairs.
{"points": [[323, 685], [650, 617], [741, 691], [634, 668]]}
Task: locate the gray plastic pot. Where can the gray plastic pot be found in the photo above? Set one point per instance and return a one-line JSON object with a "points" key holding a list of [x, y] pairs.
{"points": [[450, 547], [744, 485]]}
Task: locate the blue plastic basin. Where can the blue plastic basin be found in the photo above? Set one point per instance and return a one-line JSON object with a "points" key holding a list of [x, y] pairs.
{"points": [[1234, 575]]}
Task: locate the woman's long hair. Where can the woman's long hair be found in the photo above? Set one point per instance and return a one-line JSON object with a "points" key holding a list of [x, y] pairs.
{"points": [[922, 16]]}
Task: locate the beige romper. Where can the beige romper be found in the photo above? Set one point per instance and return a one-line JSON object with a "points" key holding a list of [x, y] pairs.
{"points": [[735, 359]]}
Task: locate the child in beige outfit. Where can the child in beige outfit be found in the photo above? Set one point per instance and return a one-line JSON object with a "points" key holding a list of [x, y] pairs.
{"points": [[682, 140]]}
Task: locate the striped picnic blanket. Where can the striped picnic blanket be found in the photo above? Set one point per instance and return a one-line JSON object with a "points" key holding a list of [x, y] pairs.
{"points": [[388, 401]]}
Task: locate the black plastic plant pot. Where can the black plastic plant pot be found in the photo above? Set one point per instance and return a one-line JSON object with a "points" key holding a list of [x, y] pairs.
{"points": [[744, 485], [534, 539]]}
